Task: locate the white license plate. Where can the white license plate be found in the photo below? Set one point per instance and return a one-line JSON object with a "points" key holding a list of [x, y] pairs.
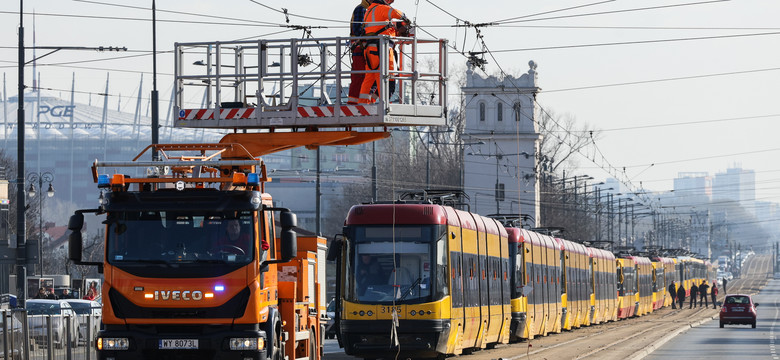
{"points": [[179, 344], [739, 309]]}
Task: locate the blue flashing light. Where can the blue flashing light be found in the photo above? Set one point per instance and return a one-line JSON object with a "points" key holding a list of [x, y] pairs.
{"points": [[104, 181], [253, 179], [219, 288]]}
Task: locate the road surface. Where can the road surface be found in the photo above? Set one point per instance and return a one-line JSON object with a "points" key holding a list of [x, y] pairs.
{"points": [[733, 341]]}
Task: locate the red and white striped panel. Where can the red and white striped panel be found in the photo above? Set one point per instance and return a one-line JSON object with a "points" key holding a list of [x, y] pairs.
{"points": [[208, 114], [303, 111], [346, 110]]}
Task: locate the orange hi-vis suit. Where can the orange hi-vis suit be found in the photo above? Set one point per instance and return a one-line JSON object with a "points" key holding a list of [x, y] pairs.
{"points": [[378, 21]]}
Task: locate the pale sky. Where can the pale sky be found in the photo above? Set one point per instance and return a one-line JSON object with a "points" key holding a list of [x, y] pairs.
{"points": [[687, 88]]}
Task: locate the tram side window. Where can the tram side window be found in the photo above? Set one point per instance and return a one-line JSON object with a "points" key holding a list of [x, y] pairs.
{"points": [[457, 279], [472, 291], [505, 282], [519, 276], [441, 286]]}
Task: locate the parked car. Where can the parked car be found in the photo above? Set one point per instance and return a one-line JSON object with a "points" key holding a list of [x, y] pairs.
{"points": [[738, 309], [38, 310], [330, 328], [89, 314]]}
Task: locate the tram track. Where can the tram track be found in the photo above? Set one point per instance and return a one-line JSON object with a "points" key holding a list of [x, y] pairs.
{"points": [[622, 339]]}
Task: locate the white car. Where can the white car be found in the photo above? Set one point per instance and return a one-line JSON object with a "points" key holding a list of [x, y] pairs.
{"points": [[38, 310], [89, 313]]}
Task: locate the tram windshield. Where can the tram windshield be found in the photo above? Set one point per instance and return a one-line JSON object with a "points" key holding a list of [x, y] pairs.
{"points": [[401, 264]]}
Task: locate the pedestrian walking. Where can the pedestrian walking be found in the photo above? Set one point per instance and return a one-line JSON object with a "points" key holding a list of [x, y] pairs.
{"points": [[714, 294], [724, 286], [681, 295], [703, 302], [694, 294], [673, 294]]}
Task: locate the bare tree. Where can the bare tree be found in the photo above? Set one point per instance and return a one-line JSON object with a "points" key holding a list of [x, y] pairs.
{"points": [[92, 251], [564, 201]]}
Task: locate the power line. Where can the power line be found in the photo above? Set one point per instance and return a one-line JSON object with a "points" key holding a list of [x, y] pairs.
{"points": [[663, 80], [103, 17], [210, 16], [638, 42], [287, 13], [618, 11], [554, 11], [687, 123]]}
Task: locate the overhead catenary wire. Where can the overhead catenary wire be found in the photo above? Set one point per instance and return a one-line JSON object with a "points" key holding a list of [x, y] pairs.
{"points": [[617, 11], [473, 98]]}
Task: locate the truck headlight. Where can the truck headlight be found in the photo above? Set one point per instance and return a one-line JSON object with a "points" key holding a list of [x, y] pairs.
{"points": [[247, 343], [113, 343]]}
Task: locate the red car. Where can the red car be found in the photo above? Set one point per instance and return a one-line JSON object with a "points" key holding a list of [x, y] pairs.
{"points": [[738, 309]]}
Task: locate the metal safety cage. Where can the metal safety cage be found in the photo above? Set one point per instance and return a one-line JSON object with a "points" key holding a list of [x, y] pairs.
{"points": [[303, 83]]}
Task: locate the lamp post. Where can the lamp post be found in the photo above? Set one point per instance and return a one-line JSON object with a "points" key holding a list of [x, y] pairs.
{"points": [[40, 178]]}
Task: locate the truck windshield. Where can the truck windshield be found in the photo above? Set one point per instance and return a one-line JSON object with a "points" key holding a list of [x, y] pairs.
{"points": [[180, 237], [401, 264]]}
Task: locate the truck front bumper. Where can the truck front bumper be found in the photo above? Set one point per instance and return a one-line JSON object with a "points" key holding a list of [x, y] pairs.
{"points": [[213, 342]]}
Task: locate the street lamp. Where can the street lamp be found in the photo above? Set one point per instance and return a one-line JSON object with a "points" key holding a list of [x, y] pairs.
{"points": [[40, 178]]}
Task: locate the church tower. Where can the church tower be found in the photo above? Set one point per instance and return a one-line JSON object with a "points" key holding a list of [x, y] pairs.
{"points": [[500, 172]]}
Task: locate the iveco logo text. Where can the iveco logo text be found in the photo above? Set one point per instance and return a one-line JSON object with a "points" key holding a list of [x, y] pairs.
{"points": [[178, 295]]}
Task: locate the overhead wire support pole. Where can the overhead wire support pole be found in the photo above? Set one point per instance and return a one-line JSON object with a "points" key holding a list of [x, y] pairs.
{"points": [[155, 105], [21, 247]]}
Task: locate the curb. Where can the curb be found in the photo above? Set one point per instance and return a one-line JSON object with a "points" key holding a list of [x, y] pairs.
{"points": [[652, 347]]}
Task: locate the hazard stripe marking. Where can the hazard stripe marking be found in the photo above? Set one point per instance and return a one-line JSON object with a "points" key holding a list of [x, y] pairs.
{"points": [[303, 111]]}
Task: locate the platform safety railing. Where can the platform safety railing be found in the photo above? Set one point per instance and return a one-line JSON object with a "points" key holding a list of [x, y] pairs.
{"points": [[295, 83]]}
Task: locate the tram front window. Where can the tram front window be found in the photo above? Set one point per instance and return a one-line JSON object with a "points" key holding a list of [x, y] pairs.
{"points": [[396, 264]]}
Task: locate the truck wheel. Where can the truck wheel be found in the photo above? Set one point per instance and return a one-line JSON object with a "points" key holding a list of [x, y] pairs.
{"points": [[313, 355], [277, 345]]}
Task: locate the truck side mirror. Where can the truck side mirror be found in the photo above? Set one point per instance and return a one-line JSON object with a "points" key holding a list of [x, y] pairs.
{"points": [[334, 250], [75, 245], [289, 237]]}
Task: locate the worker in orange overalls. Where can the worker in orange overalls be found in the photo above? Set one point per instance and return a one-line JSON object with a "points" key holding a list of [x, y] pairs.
{"points": [[378, 21], [358, 61]]}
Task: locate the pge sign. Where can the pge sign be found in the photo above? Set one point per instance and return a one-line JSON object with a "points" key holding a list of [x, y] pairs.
{"points": [[57, 111]]}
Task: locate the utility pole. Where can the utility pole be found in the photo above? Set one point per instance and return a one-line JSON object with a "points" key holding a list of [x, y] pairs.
{"points": [[155, 108], [21, 247]]}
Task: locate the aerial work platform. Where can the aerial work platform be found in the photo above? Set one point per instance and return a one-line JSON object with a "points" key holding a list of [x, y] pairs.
{"points": [[303, 84]]}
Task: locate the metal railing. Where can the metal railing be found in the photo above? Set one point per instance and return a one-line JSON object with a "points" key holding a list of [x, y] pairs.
{"points": [[276, 79], [47, 337]]}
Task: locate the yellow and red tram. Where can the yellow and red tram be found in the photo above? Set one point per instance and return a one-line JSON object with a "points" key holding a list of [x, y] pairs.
{"points": [[435, 276], [447, 281]]}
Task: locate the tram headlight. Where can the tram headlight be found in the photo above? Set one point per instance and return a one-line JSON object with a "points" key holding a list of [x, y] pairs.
{"points": [[361, 313], [413, 313]]}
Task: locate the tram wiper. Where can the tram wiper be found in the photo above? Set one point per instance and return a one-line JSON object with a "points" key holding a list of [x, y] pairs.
{"points": [[416, 283]]}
